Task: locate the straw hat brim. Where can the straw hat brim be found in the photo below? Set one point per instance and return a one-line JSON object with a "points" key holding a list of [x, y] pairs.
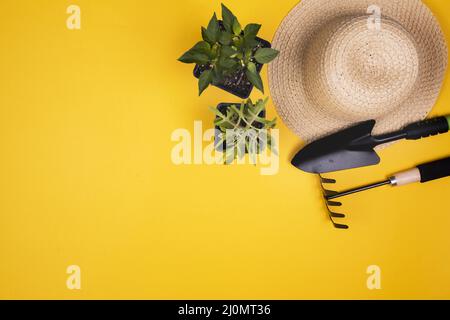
{"points": [[305, 106]]}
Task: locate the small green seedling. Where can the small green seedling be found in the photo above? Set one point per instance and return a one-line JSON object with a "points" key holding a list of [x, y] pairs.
{"points": [[226, 49], [242, 129]]}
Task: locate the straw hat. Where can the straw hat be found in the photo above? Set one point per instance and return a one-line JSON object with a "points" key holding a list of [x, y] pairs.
{"points": [[340, 64]]}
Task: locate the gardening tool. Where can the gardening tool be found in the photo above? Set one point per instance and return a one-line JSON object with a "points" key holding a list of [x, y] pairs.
{"points": [[422, 173], [354, 147]]}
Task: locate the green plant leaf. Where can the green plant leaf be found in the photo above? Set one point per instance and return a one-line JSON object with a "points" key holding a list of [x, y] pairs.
{"points": [[199, 54], [238, 42], [217, 112], [222, 121], [205, 36], [213, 30], [227, 18], [254, 110], [265, 55], [251, 30], [250, 43], [254, 77], [227, 63], [271, 124], [237, 29], [215, 50], [272, 145], [204, 81], [217, 73], [202, 46], [194, 56], [230, 155], [225, 38], [247, 56], [228, 51]]}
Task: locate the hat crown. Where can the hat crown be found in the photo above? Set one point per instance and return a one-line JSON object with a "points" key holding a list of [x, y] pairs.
{"points": [[355, 70]]}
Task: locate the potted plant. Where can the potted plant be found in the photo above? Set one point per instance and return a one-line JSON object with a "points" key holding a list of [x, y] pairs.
{"points": [[242, 128], [230, 57]]}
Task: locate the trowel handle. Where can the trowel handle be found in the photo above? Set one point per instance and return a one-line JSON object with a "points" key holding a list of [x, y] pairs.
{"points": [[425, 172], [427, 128]]}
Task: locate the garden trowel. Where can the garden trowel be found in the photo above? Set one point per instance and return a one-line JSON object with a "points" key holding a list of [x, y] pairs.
{"points": [[354, 147]]}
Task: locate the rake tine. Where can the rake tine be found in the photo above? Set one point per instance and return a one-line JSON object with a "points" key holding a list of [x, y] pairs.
{"points": [[327, 180], [334, 204], [330, 192], [340, 226], [337, 215], [327, 193]]}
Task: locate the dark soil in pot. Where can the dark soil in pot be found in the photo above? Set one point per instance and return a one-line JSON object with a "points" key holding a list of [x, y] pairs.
{"points": [[223, 107], [237, 83]]}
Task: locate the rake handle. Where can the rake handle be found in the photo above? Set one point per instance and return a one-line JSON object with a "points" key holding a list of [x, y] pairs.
{"points": [[434, 170], [423, 173]]}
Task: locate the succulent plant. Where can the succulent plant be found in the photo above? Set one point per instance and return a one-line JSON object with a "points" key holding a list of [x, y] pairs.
{"points": [[227, 48], [242, 129]]}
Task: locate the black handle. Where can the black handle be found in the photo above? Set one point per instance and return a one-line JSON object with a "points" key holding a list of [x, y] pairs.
{"points": [[424, 129], [434, 170]]}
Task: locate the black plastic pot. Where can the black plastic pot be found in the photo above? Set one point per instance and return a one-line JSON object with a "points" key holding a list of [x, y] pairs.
{"points": [[237, 83], [223, 107]]}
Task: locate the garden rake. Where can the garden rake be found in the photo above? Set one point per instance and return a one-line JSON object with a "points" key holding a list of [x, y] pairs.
{"points": [[423, 173]]}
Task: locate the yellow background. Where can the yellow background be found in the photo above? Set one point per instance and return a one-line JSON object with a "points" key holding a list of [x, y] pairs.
{"points": [[86, 176]]}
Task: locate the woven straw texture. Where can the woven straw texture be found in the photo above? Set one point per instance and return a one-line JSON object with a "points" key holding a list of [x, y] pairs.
{"points": [[335, 68]]}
